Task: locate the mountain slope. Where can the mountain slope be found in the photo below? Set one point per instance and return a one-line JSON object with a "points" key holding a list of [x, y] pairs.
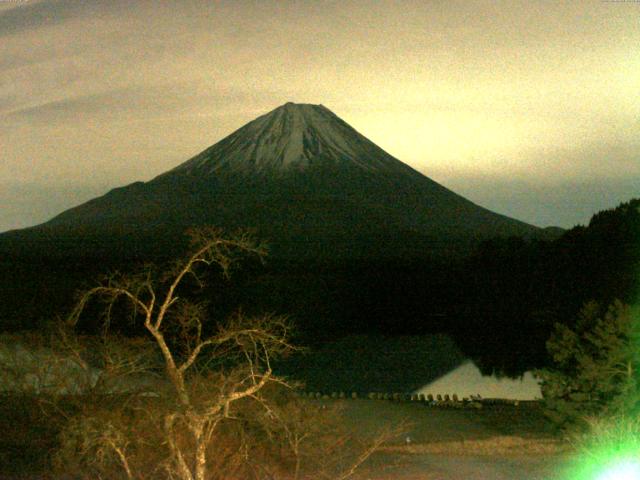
{"points": [[304, 179]]}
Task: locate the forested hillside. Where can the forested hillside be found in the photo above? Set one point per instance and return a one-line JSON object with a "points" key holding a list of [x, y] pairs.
{"points": [[516, 290]]}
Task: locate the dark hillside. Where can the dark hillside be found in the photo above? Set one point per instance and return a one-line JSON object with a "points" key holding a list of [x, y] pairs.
{"points": [[517, 290]]}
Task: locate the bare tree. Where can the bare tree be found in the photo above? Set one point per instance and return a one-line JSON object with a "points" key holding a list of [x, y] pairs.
{"points": [[250, 343], [221, 412]]}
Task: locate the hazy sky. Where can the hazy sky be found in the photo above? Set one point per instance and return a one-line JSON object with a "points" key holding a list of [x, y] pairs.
{"points": [[530, 108]]}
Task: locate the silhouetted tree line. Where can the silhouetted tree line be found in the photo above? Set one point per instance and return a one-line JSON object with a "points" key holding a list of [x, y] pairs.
{"points": [[500, 303], [517, 290]]}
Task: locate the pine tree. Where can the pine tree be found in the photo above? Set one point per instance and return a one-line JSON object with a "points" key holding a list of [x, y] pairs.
{"points": [[596, 365]]}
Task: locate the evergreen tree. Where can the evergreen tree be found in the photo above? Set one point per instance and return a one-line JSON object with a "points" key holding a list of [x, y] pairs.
{"points": [[596, 365]]}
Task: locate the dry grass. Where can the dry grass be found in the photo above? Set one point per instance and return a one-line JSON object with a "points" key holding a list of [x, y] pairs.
{"points": [[502, 445], [503, 431]]}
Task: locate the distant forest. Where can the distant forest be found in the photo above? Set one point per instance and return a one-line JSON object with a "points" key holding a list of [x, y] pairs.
{"points": [[516, 290], [500, 303]]}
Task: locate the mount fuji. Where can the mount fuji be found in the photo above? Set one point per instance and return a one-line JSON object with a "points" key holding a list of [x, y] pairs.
{"points": [[306, 181]]}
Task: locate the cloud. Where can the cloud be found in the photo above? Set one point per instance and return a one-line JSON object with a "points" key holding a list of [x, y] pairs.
{"points": [[122, 101], [34, 15], [137, 102], [26, 15], [126, 88]]}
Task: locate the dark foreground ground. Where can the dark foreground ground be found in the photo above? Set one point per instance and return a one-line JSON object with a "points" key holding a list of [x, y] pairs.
{"points": [[495, 442]]}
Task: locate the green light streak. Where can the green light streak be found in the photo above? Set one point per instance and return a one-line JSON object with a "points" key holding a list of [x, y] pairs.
{"points": [[623, 470], [613, 468], [611, 451]]}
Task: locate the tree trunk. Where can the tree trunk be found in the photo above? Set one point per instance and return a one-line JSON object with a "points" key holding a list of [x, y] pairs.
{"points": [[201, 452]]}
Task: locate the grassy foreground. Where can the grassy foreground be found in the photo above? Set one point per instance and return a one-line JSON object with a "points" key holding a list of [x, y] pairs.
{"points": [[29, 435]]}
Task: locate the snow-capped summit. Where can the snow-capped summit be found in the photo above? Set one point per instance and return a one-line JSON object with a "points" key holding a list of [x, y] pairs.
{"points": [[292, 137]]}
